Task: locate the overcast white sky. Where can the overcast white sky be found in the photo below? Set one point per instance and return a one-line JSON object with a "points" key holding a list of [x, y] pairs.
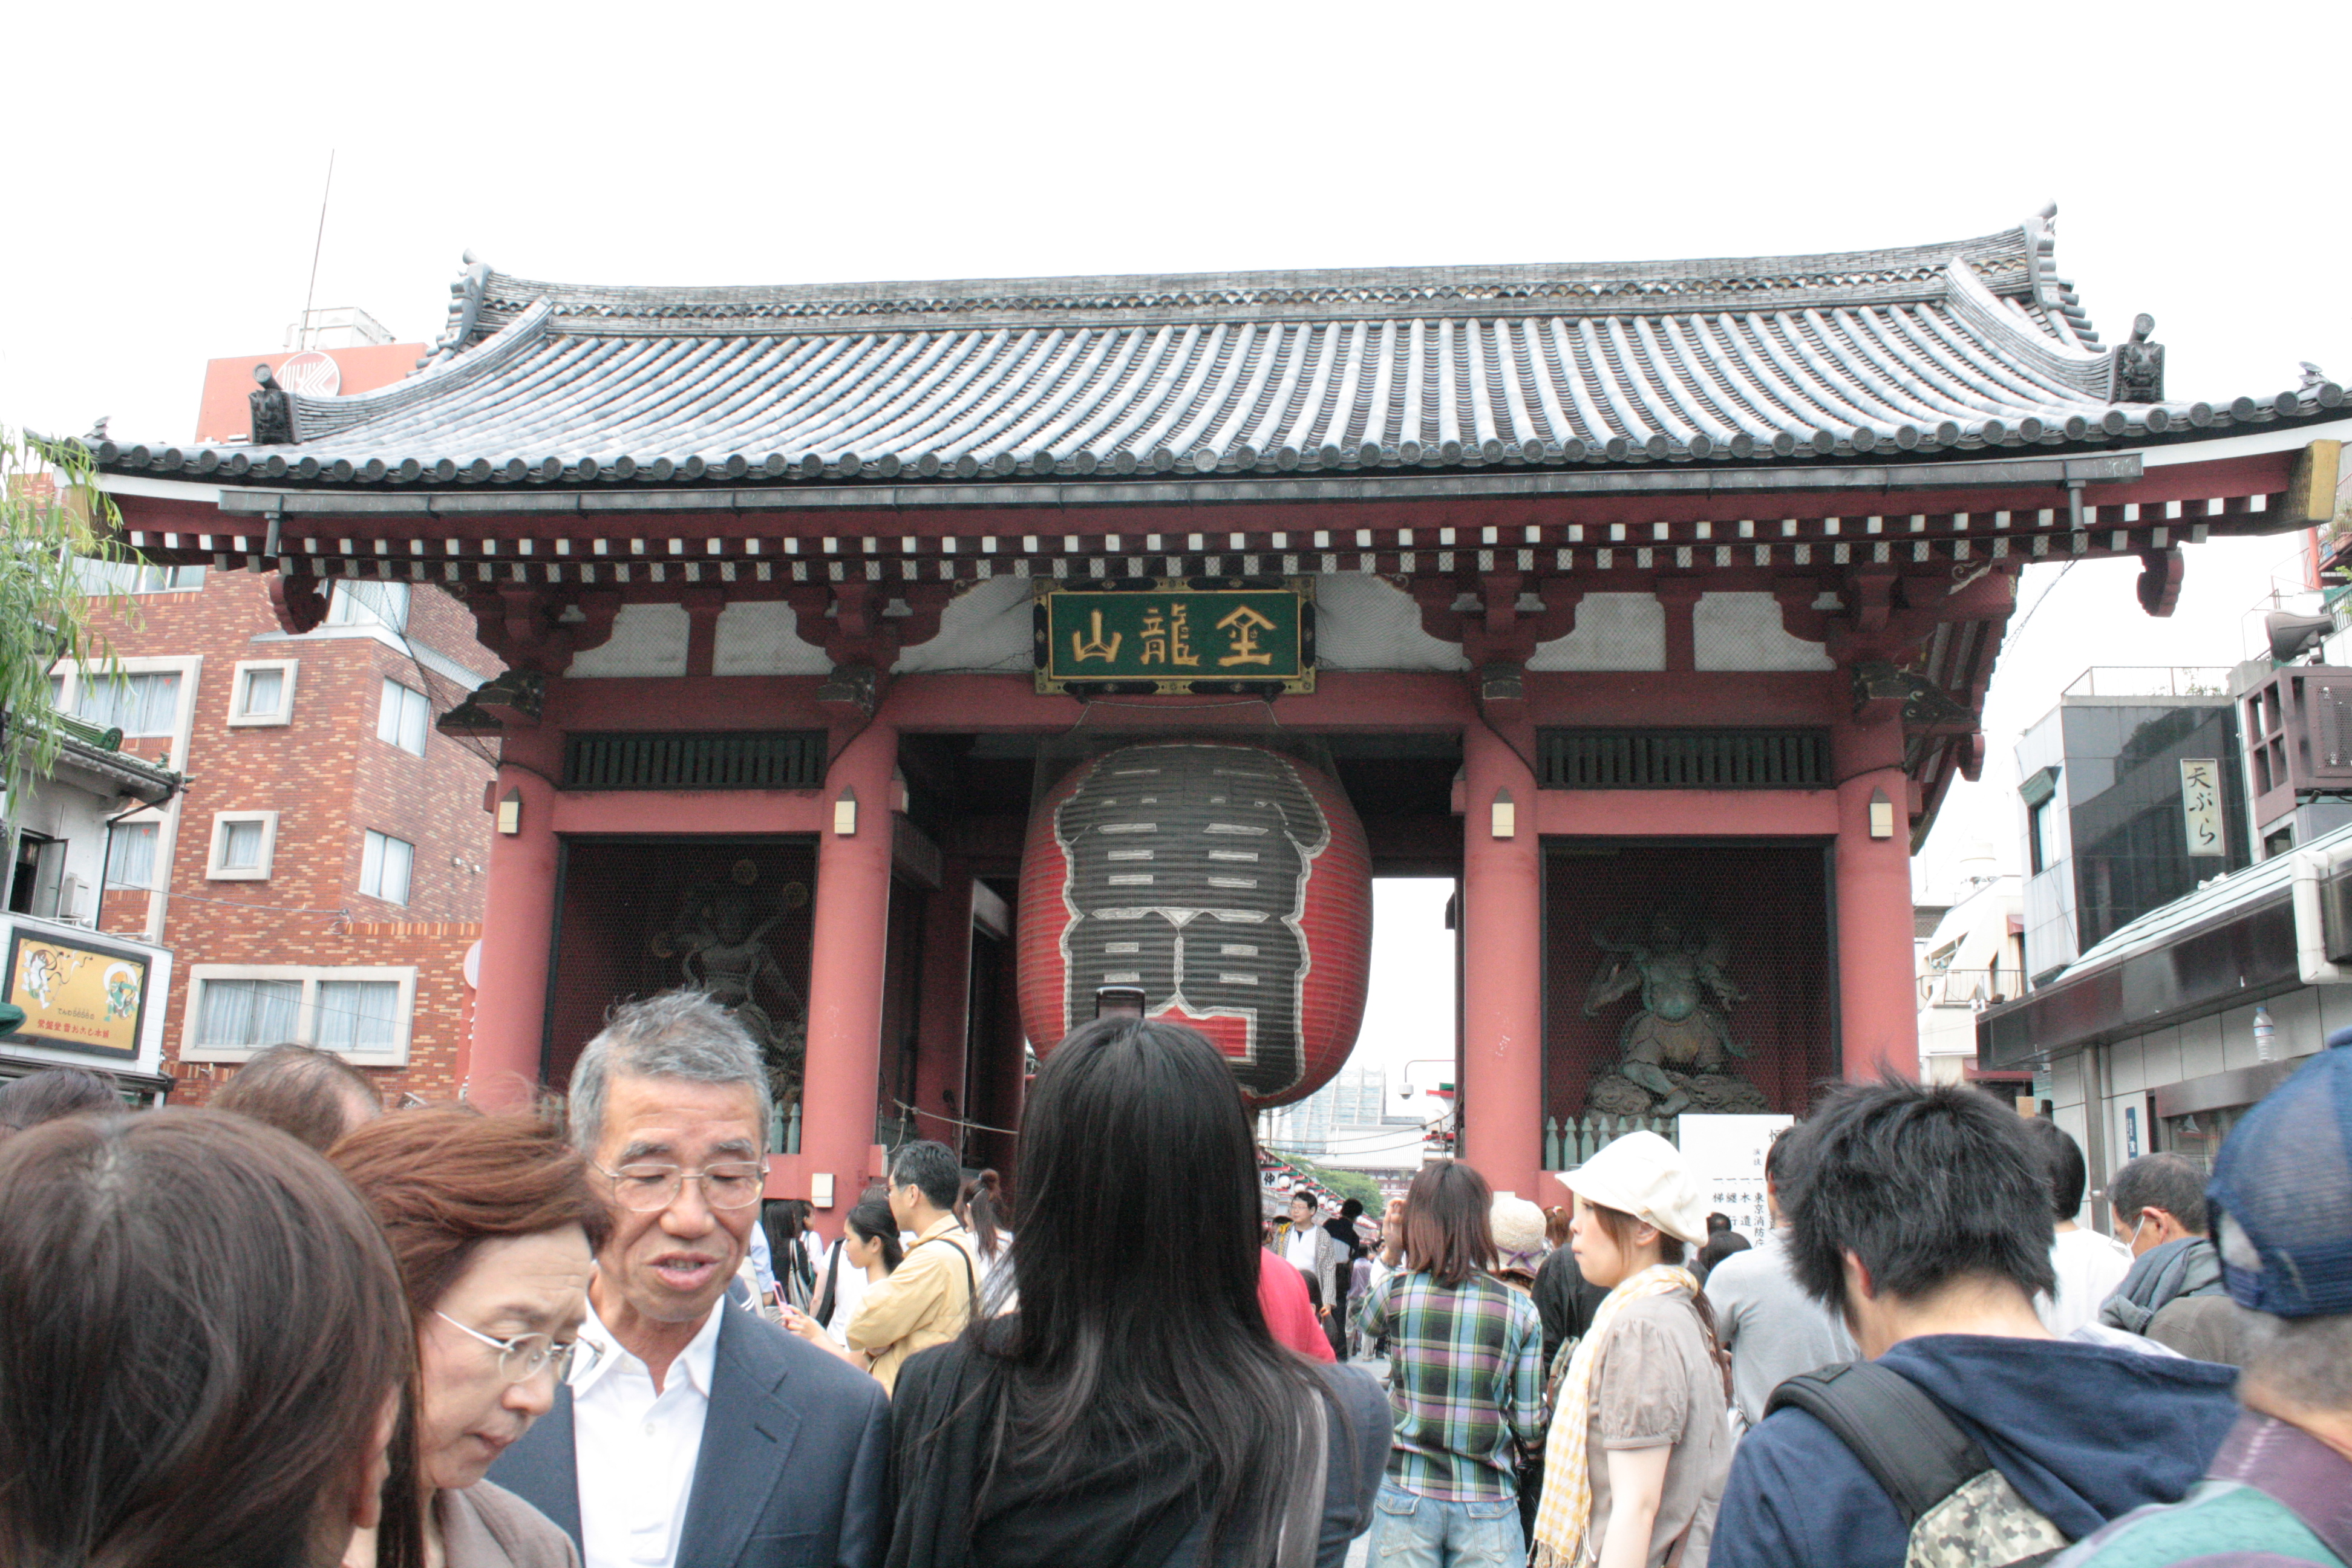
{"points": [[167, 163]]}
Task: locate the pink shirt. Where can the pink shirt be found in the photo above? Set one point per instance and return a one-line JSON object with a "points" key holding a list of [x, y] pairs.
{"points": [[1282, 1297]]}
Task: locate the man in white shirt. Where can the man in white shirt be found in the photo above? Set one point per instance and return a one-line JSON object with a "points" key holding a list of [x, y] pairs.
{"points": [[670, 1447], [2089, 1266]]}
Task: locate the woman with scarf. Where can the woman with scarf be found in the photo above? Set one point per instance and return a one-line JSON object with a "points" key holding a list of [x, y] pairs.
{"points": [[1134, 1411], [1640, 1445]]}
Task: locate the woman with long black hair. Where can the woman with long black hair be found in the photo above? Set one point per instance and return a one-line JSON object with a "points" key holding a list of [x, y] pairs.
{"points": [[1135, 1410]]}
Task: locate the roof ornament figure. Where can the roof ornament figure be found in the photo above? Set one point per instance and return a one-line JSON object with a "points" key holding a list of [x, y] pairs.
{"points": [[2139, 365], [465, 308], [98, 427], [273, 411], [2054, 294], [2313, 378]]}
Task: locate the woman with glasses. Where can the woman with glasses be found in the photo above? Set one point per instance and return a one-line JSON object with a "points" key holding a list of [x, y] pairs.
{"points": [[494, 1225]]}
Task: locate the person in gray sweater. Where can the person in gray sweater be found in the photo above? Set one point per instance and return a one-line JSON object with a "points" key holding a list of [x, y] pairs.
{"points": [[1770, 1328]]}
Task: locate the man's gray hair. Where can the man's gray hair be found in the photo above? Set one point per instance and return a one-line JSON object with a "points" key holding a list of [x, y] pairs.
{"points": [[673, 1034]]}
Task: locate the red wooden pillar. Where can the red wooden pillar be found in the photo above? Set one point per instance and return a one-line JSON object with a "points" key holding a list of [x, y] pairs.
{"points": [[502, 1060], [942, 1024], [1501, 1091], [1878, 1019], [847, 951]]}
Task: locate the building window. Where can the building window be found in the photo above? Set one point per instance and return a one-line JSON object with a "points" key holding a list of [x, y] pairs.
{"points": [[355, 603], [248, 1015], [385, 863], [243, 844], [2037, 838], [130, 857], [263, 692], [235, 1010], [136, 577], [403, 718], [358, 1015], [144, 704]]}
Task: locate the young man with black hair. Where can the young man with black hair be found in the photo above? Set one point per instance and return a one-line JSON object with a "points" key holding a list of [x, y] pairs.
{"points": [[1924, 1214], [933, 1293], [2173, 1293]]}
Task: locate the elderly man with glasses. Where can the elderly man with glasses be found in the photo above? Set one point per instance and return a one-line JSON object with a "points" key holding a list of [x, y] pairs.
{"points": [[670, 1448]]}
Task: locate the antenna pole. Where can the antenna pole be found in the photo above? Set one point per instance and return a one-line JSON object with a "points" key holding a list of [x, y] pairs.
{"points": [[302, 333]]}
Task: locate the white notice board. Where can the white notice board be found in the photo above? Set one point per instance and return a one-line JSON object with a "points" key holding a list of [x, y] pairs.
{"points": [[1726, 1155]]}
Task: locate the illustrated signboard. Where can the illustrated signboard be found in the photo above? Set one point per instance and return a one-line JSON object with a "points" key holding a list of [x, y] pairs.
{"points": [[77, 996], [1176, 635], [1727, 1154]]}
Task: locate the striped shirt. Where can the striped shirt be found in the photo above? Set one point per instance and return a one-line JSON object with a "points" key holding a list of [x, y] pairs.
{"points": [[1466, 1377]]}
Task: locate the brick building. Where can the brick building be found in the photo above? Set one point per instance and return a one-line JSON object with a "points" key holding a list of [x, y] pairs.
{"points": [[321, 877]]}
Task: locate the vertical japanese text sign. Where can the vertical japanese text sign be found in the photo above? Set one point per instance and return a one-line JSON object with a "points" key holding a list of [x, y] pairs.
{"points": [[1726, 1156], [1175, 636], [2200, 806]]}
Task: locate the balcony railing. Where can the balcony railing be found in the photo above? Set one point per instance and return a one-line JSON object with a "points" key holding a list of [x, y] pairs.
{"points": [[2152, 681], [1970, 987]]}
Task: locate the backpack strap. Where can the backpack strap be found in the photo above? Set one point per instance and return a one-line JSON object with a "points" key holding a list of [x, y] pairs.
{"points": [[1915, 1452]]}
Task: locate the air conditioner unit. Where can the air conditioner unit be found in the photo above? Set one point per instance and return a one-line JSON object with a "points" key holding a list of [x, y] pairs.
{"points": [[69, 898], [2323, 917]]}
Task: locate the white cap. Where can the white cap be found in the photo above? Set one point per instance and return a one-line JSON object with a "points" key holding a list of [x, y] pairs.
{"points": [[1644, 1175]]}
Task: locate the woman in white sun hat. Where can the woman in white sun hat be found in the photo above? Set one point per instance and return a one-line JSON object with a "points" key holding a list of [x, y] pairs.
{"points": [[1639, 1445]]}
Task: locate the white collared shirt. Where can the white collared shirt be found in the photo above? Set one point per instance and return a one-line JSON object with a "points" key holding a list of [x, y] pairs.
{"points": [[636, 1449]]}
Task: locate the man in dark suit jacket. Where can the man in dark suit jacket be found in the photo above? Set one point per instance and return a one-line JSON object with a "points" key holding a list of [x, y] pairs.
{"points": [[777, 1407], [699, 1435]]}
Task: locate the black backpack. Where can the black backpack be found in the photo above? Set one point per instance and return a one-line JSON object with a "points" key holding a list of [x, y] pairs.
{"points": [[1962, 1512]]}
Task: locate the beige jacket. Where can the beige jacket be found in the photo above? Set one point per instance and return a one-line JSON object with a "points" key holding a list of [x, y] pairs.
{"points": [[926, 1302]]}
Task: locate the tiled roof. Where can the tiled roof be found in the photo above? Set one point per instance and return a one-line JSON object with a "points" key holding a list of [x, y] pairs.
{"points": [[1911, 354]]}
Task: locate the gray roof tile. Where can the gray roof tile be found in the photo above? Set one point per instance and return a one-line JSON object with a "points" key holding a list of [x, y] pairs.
{"points": [[1913, 354]]}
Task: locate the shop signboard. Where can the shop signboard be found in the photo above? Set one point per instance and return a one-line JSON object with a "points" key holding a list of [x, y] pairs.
{"points": [[78, 994]]}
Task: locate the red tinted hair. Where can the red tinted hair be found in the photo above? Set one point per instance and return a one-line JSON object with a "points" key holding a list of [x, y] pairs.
{"points": [[445, 1179]]}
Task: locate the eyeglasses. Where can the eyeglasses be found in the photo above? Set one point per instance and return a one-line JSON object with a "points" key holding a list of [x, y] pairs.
{"points": [[649, 1189], [525, 1356]]}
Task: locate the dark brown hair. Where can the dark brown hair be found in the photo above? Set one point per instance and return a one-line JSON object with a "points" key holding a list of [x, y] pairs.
{"points": [[1447, 1232], [1621, 1228], [446, 1178], [1557, 1219], [299, 1090], [200, 1324], [52, 1092]]}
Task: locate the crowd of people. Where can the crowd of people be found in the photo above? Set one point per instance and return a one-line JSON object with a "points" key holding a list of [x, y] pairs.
{"points": [[292, 1331]]}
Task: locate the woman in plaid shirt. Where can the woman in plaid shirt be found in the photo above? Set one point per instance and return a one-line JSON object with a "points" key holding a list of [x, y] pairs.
{"points": [[1465, 1382]]}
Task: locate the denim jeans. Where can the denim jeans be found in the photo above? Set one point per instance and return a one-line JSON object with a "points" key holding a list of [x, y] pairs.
{"points": [[1414, 1531]]}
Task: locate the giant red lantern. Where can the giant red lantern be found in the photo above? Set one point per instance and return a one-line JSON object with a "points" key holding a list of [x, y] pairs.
{"points": [[1228, 883]]}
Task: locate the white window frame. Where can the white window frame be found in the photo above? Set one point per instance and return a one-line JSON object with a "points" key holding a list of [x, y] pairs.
{"points": [[284, 714], [214, 871], [187, 667], [408, 879], [306, 1025], [384, 711], [158, 868]]}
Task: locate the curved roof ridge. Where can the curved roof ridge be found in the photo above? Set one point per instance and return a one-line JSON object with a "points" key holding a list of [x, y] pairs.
{"points": [[2002, 262]]}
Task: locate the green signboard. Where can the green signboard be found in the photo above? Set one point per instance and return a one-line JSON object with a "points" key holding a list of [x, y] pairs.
{"points": [[1176, 635]]}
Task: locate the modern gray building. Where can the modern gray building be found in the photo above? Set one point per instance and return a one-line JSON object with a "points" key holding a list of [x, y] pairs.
{"points": [[2133, 795]]}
